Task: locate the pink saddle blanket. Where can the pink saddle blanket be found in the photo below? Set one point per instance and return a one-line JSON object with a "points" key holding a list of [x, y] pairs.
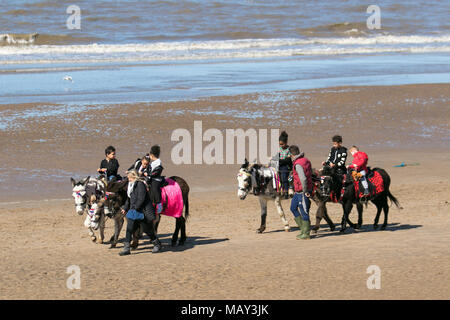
{"points": [[173, 197]]}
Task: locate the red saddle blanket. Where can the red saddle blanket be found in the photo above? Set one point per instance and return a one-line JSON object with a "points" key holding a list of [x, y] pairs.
{"points": [[376, 185]]}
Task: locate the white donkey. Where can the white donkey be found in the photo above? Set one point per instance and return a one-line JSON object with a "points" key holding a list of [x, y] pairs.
{"points": [[86, 193], [260, 181]]}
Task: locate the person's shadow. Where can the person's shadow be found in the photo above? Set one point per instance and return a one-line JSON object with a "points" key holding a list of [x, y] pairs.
{"points": [[146, 246]]}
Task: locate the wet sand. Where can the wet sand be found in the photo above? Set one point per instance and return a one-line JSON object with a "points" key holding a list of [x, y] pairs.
{"points": [[224, 258]]}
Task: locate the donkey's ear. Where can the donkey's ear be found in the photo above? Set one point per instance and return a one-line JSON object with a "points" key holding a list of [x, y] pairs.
{"points": [[73, 182], [245, 165], [85, 181]]}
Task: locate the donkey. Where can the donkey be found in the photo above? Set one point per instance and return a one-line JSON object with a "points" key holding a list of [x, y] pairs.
{"points": [[115, 197], [350, 197], [86, 193], [256, 178]]}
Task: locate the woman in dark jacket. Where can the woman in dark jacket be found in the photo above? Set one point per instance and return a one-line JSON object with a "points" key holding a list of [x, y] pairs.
{"points": [[139, 211]]}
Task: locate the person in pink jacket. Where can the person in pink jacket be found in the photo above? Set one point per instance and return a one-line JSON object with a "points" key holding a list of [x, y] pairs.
{"points": [[359, 164]]}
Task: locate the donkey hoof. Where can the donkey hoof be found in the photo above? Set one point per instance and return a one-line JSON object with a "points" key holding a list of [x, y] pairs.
{"points": [[260, 230], [112, 246], [93, 239], [287, 229], [100, 241]]}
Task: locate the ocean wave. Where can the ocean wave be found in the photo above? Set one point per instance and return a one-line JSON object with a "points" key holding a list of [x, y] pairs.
{"points": [[23, 40], [12, 39], [46, 46], [225, 49]]}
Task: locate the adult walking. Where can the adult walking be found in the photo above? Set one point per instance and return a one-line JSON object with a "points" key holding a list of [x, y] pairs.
{"points": [[303, 185], [139, 211]]}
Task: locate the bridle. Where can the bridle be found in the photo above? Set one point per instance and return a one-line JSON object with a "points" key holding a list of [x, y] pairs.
{"points": [[246, 175], [84, 197]]}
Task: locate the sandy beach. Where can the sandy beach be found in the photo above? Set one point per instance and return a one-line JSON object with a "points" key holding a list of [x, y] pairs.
{"points": [[224, 258]]}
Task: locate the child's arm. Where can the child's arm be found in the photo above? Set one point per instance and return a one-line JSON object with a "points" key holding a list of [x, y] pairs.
{"points": [[327, 162], [342, 158]]}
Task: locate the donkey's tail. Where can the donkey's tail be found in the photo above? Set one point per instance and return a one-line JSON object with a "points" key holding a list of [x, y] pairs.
{"points": [[394, 199]]}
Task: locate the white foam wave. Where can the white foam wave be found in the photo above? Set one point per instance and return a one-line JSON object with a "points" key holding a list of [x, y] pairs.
{"points": [[14, 39], [248, 48]]}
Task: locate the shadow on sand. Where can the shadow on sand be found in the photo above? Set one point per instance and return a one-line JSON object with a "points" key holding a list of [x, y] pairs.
{"points": [[145, 246], [325, 231], [364, 228]]}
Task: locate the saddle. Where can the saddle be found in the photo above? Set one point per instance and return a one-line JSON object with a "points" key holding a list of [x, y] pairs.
{"points": [[374, 181]]}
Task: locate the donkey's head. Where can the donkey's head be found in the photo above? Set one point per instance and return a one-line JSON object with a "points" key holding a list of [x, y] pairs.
{"points": [[79, 194], [244, 178], [324, 178], [114, 197]]}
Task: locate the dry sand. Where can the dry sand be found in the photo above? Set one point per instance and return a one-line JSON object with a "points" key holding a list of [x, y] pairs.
{"points": [[224, 258]]}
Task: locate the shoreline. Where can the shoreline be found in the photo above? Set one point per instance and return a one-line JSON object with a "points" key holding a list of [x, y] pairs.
{"points": [[401, 123]]}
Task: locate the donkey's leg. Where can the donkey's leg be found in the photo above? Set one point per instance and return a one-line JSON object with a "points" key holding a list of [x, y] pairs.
{"points": [[263, 204], [183, 231], [327, 218], [175, 233], [92, 234], [281, 213], [118, 223], [386, 213], [347, 207], [379, 208], [87, 224], [319, 214], [101, 229], [360, 209], [183, 220]]}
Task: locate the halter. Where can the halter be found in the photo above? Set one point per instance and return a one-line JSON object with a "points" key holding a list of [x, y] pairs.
{"points": [[243, 173], [78, 193]]}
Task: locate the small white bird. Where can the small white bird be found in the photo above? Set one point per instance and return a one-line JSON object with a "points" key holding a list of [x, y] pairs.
{"points": [[68, 78]]}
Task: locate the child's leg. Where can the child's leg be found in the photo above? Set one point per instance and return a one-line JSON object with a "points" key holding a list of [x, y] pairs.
{"points": [[284, 177], [156, 190], [364, 182]]}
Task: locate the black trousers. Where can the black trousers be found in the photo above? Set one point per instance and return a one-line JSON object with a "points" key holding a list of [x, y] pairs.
{"points": [[133, 226], [155, 190]]}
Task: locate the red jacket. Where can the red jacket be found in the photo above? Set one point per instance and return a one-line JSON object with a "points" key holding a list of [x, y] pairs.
{"points": [[360, 159], [306, 165]]}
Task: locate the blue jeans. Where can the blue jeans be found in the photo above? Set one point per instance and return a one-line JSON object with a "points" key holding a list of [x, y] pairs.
{"points": [[300, 206]]}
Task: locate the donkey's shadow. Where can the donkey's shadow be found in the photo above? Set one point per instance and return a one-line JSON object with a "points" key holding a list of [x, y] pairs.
{"points": [[326, 232]]}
